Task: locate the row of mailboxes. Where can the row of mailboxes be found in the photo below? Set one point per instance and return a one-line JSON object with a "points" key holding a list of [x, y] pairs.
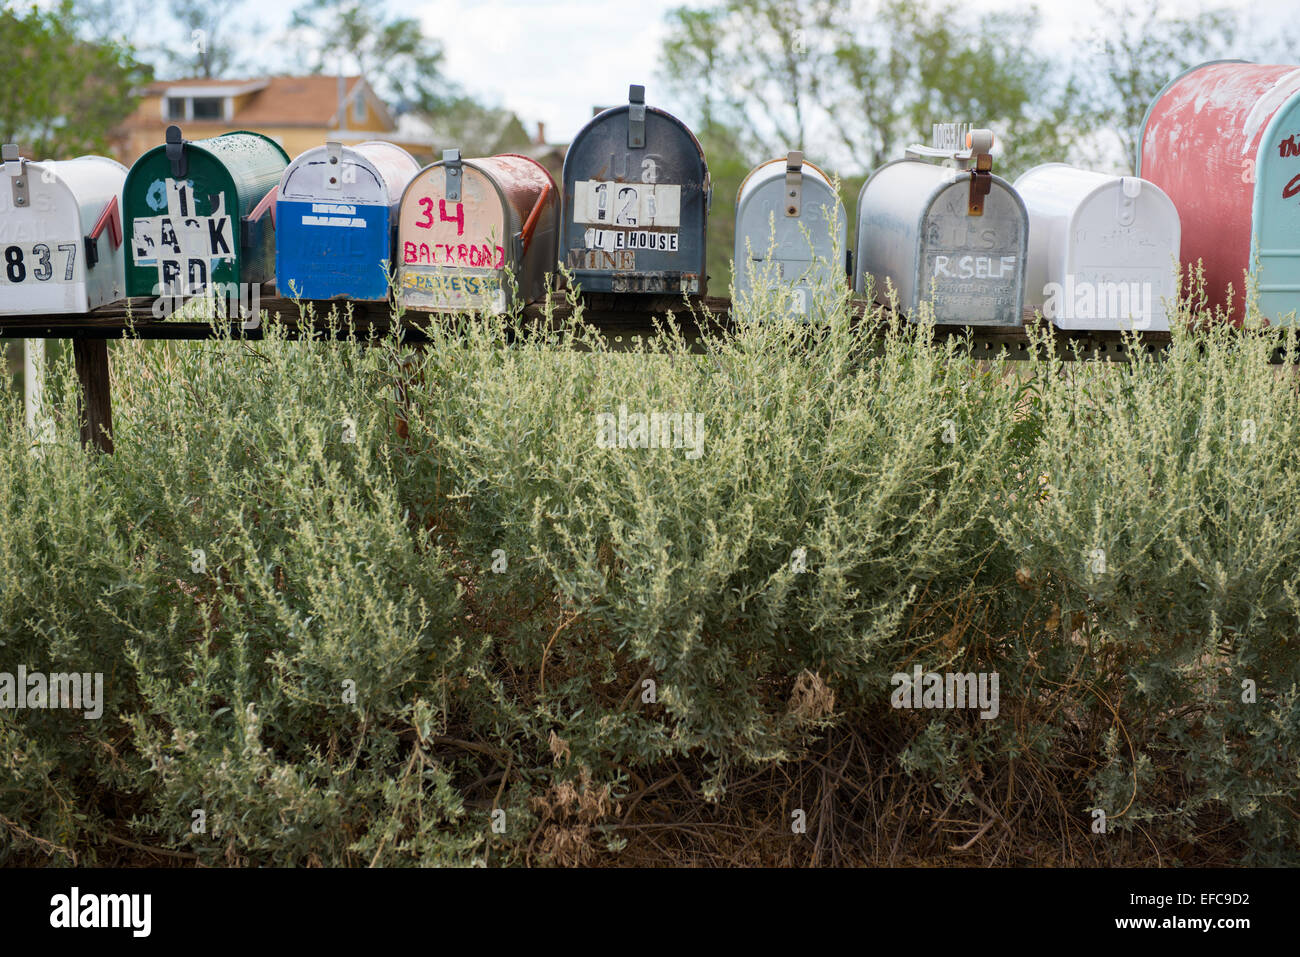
{"points": [[1219, 179]]}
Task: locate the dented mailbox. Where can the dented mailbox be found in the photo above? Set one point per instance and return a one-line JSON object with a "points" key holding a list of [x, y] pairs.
{"points": [[198, 214], [790, 230], [335, 220], [1223, 140], [1103, 250], [636, 199], [476, 234], [60, 234], [953, 235]]}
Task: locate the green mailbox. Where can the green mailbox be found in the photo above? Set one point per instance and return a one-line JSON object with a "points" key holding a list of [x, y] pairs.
{"points": [[197, 215]]}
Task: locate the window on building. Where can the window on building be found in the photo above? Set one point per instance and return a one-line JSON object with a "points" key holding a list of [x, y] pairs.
{"points": [[358, 109], [175, 107], [209, 108]]}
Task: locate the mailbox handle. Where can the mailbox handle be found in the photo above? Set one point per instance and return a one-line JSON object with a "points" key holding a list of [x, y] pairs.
{"points": [[176, 151], [636, 117], [110, 219], [530, 224], [267, 203]]}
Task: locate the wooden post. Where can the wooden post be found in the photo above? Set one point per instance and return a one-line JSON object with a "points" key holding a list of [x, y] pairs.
{"points": [[95, 401]]}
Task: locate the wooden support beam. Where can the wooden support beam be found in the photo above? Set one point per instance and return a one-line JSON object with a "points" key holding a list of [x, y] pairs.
{"points": [[96, 400]]}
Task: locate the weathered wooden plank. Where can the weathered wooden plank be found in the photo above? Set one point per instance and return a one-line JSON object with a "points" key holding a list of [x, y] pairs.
{"points": [[96, 401]]}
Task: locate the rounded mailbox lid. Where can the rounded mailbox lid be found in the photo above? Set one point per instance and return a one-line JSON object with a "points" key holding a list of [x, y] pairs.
{"points": [[53, 214], [636, 194], [373, 172], [915, 229], [1103, 249], [1223, 141], [185, 203], [466, 228]]}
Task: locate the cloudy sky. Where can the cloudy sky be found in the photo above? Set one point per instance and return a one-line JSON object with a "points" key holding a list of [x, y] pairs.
{"points": [[552, 60]]}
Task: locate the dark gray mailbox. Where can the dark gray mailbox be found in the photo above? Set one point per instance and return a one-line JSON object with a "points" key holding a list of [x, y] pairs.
{"points": [[949, 233], [636, 200]]}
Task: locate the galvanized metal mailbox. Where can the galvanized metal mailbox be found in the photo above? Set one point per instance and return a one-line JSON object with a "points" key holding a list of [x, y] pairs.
{"points": [[197, 214], [636, 200], [1223, 140], [790, 230], [477, 234], [952, 235], [60, 234], [1103, 250], [336, 218]]}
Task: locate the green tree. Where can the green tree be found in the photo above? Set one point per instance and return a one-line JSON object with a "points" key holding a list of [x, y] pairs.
{"points": [[1139, 49], [208, 44], [63, 93], [786, 73], [392, 52]]}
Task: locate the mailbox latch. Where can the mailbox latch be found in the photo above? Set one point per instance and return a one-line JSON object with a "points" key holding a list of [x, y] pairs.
{"points": [[16, 169], [334, 176], [455, 173], [793, 183], [176, 152], [981, 182], [636, 117], [1130, 188]]}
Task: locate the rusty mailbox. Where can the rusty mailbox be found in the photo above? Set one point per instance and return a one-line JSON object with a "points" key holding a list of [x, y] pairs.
{"points": [[1103, 250], [943, 229], [335, 220], [790, 230], [60, 234], [476, 234], [1223, 140], [636, 200], [197, 214]]}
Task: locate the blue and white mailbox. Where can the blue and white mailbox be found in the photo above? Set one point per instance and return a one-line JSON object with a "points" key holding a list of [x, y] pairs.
{"points": [[336, 220]]}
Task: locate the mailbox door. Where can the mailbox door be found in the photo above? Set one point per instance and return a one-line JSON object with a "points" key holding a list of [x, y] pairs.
{"points": [[189, 232], [334, 219], [182, 232], [43, 267], [802, 252], [973, 266], [453, 253], [1276, 215], [1103, 249], [635, 217]]}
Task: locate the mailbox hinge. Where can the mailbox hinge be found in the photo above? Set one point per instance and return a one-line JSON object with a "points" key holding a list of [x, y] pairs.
{"points": [[981, 182], [92, 252], [636, 117], [455, 173], [176, 152], [793, 182], [17, 170]]}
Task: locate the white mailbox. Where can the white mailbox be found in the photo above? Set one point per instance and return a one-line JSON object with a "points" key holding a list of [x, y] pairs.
{"points": [[790, 231], [60, 234], [1103, 250]]}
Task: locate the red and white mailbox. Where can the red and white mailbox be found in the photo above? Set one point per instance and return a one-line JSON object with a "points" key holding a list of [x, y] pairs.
{"points": [[60, 234]]}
